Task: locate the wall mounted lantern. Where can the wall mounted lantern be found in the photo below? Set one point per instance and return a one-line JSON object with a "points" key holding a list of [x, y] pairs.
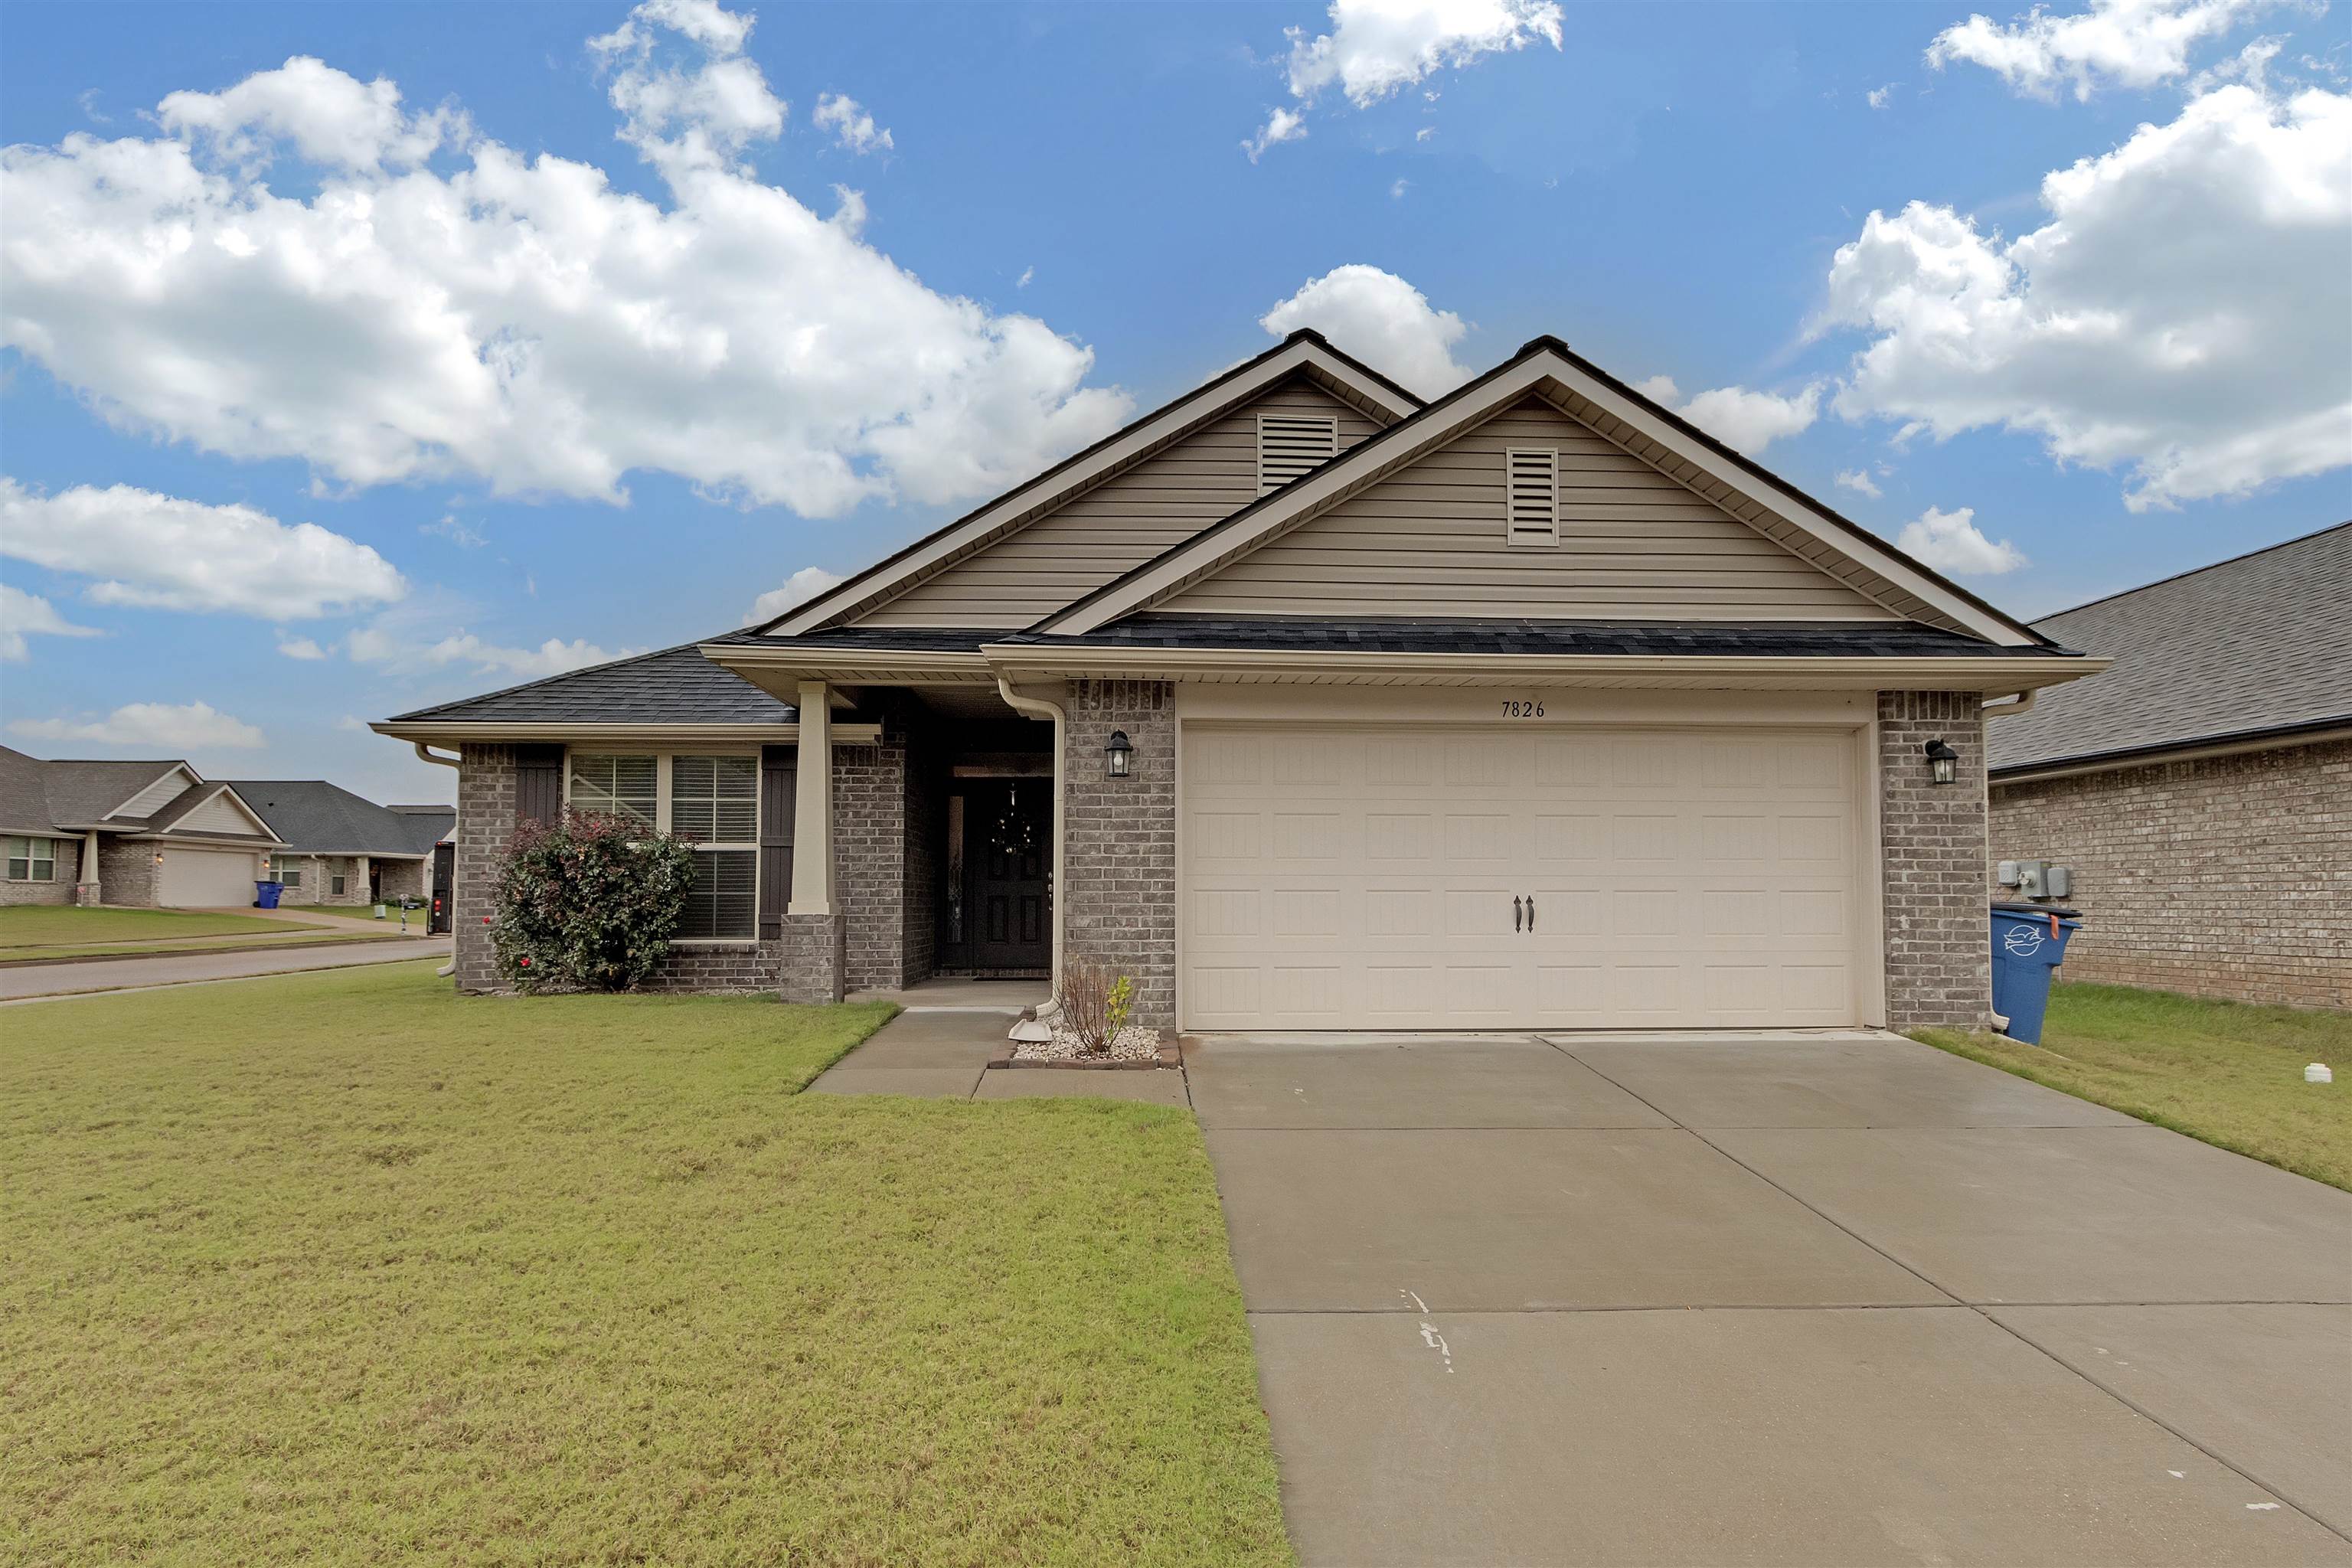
{"points": [[1118, 755], [1943, 762]]}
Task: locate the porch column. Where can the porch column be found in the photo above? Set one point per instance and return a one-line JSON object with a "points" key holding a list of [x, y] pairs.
{"points": [[812, 805], [90, 891]]}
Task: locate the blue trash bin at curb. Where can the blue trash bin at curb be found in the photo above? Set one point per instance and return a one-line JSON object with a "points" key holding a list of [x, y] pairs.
{"points": [[2028, 943], [265, 894]]}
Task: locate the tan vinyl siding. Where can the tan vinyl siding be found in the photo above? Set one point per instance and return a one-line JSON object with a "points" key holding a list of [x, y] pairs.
{"points": [[218, 815], [1430, 540], [1115, 526], [156, 796]]}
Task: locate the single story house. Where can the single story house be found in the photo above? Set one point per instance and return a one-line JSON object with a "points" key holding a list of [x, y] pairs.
{"points": [[1310, 705], [2201, 791], [140, 834], [343, 848]]}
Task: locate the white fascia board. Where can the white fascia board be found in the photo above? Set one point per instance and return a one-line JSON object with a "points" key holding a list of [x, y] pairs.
{"points": [[1204, 403], [194, 778], [242, 804], [499, 731]]}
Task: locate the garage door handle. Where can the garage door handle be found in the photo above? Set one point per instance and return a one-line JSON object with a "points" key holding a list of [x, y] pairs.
{"points": [[1514, 914], [1531, 912]]}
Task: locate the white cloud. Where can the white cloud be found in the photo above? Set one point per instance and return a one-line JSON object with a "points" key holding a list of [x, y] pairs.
{"points": [[1027, 275], [851, 125], [1382, 320], [1377, 47], [799, 588], [451, 528], [1397, 189], [517, 318], [1880, 97], [1745, 420], [397, 646], [1858, 480], [301, 647], [2128, 43], [23, 615], [1950, 541], [1281, 125], [2182, 314], [353, 723], [176, 728], [164, 553]]}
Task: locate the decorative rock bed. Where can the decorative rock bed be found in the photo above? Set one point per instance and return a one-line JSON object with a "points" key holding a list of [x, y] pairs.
{"points": [[1136, 1047]]}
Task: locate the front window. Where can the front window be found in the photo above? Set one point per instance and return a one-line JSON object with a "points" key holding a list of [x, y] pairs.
{"points": [[286, 868], [32, 859], [711, 799]]}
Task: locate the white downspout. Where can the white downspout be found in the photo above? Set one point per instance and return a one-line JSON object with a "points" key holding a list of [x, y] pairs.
{"points": [[2022, 702], [1041, 707], [450, 968]]}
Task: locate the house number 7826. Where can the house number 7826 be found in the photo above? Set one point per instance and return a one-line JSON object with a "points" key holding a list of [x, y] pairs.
{"points": [[1514, 708]]}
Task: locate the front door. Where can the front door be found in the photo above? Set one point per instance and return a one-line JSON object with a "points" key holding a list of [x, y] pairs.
{"points": [[1007, 857]]}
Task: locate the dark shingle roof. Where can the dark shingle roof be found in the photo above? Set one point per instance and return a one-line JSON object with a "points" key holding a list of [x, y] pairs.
{"points": [[315, 817], [2262, 642], [675, 686], [1891, 639], [918, 639], [71, 792]]}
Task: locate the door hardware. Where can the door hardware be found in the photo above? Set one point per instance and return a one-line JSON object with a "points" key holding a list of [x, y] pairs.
{"points": [[1514, 914], [1531, 912]]}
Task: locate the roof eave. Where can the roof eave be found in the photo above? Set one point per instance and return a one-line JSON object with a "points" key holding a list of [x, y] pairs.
{"points": [[2271, 737]]}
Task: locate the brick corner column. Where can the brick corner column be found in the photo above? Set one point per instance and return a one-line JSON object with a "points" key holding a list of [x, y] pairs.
{"points": [[813, 958], [1118, 892], [1932, 862], [485, 825]]}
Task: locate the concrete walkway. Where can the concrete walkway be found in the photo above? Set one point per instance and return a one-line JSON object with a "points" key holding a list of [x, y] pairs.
{"points": [[941, 1052], [35, 982], [1803, 1300]]}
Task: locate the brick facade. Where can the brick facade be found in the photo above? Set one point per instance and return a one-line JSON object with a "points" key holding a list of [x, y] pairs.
{"points": [[869, 848], [126, 873], [485, 823], [1117, 890], [59, 889], [2226, 877], [1932, 849]]}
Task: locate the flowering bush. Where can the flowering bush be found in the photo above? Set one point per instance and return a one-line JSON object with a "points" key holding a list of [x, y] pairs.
{"points": [[588, 905]]}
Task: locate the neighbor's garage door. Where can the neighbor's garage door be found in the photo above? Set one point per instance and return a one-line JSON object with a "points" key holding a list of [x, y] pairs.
{"points": [[1365, 878], [206, 878]]}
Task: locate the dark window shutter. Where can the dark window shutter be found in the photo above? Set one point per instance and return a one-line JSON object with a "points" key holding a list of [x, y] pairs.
{"points": [[539, 784], [778, 781]]}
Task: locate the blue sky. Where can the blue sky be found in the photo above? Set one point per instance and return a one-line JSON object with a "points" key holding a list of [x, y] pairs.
{"points": [[653, 363]]}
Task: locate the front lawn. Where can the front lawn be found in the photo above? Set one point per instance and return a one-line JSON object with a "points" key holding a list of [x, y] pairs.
{"points": [[340, 1267], [2224, 1071], [32, 925]]}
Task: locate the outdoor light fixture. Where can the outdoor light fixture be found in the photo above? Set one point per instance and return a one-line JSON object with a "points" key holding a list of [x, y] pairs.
{"points": [[1117, 755], [1943, 762]]}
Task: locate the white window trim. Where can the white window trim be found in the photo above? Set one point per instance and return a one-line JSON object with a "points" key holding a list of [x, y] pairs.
{"points": [[662, 817], [31, 859]]}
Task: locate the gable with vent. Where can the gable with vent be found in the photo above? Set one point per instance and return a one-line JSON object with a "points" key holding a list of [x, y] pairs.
{"points": [[1530, 514], [1118, 525]]}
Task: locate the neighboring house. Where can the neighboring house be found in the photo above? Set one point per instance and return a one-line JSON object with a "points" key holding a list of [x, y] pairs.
{"points": [[1309, 706], [341, 848], [2202, 790], [135, 833]]}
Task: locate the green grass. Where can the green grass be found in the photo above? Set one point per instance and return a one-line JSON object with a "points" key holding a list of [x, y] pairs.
{"points": [[37, 926], [2222, 1071], [132, 936], [582, 1279]]}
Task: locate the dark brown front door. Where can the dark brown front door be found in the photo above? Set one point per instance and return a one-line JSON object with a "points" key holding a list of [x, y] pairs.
{"points": [[1008, 856]]}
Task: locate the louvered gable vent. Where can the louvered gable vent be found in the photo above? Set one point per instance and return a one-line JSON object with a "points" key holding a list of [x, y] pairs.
{"points": [[1288, 444], [1531, 492]]}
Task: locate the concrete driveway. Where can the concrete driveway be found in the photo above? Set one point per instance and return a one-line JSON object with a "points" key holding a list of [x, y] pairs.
{"points": [[1790, 1300]]}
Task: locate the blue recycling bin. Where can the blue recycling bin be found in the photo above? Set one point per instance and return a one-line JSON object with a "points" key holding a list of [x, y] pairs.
{"points": [[2028, 943], [265, 894]]}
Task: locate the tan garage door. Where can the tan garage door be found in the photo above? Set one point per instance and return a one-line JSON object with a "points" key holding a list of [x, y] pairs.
{"points": [[1418, 876], [206, 878]]}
